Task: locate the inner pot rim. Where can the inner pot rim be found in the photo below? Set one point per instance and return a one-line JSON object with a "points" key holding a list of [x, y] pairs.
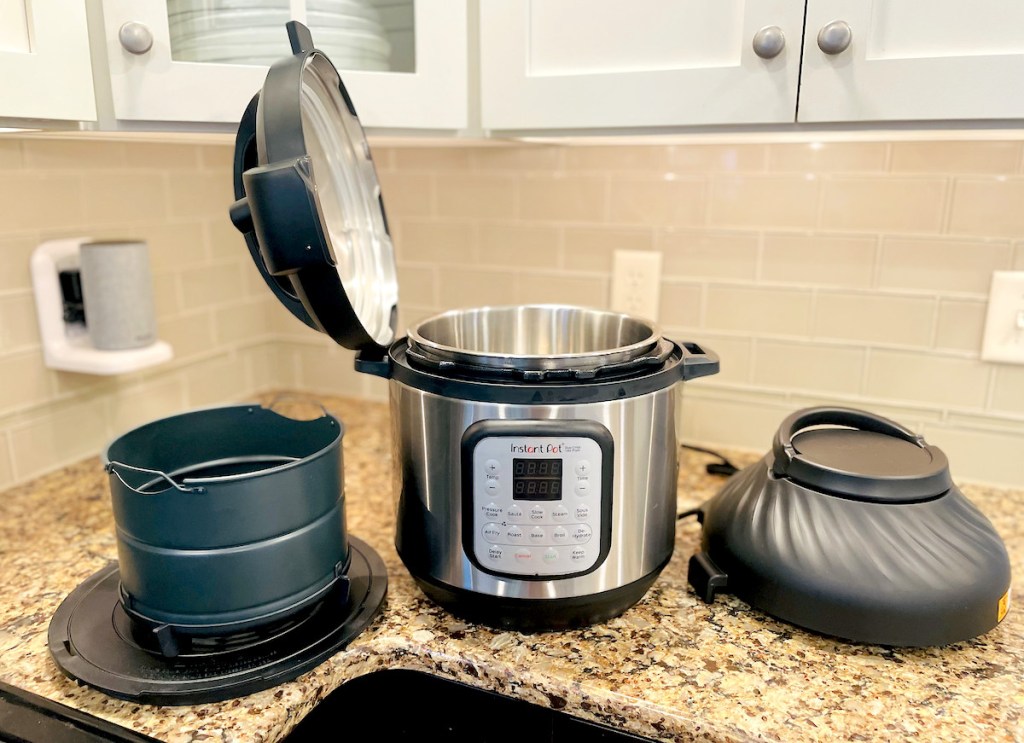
{"points": [[649, 332]]}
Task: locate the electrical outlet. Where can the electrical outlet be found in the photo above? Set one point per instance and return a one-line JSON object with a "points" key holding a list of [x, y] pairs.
{"points": [[1004, 324], [636, 283]]}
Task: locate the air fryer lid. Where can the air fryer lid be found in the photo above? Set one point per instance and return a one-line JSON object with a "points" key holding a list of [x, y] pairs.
{"points": [[855, 532], [309, 202]]}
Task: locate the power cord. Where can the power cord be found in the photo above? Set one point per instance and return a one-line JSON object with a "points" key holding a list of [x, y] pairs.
{"points": [[724, 467]]}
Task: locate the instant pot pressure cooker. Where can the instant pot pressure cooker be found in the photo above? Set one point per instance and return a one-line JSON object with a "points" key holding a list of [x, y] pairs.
{"points": [[536, 447]]}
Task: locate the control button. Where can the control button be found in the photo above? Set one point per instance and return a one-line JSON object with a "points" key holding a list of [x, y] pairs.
{"points": [[537, 513], [560, 534], [550, 554], [514, 512], [523, 554], [581, 533], [578, 554], [582, 487], [492, 467], [559, 513], [493, 511], [537, 535], [495, 553], [514, 534], [583, 468], [582, 512], [492, 532], [491, 486]]}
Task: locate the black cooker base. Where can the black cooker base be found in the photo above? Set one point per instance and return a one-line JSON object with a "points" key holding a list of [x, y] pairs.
{"points": [[537, 615], [93, 641]]}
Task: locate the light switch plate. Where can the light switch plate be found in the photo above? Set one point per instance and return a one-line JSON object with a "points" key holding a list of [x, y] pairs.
{"points": [[1004, 325]]}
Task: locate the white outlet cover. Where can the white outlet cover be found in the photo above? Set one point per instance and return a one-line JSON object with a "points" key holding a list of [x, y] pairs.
{"points": [[1004, 324], [636, 283]]}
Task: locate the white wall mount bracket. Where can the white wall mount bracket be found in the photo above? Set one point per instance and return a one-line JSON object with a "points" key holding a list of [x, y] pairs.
{"points": [[66, 346]]}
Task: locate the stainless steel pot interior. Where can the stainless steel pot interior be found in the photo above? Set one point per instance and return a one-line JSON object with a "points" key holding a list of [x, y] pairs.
{"points": [[534, 337]]}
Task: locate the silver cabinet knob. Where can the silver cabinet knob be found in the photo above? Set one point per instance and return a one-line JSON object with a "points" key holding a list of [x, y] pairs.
{"points": [[835, 37], [769, 42], [135, 37]]}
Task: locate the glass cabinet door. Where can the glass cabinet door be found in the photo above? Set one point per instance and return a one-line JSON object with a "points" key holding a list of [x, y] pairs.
{"points": [[403, 61], [45, 68]]}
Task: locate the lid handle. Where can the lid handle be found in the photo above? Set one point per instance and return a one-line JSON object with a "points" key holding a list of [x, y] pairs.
{"points": [[782, 446], [299, 37]]}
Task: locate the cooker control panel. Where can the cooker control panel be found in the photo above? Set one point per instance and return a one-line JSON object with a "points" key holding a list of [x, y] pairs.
{"points": [[537, 497]]}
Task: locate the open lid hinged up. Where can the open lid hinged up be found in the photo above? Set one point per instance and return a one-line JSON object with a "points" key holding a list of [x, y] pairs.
{"points": [[309, 201]]}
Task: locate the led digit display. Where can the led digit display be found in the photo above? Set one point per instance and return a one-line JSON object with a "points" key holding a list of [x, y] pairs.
{"points": [[536, 479]]}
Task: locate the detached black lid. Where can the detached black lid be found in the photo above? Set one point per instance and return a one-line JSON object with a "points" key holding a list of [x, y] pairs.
{"points": [[869, 458], [309, 202], [855, 531]]}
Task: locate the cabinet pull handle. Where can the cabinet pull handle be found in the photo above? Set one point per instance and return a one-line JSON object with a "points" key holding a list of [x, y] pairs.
{"points": [[769, 42], [135, 37], [835, 37]]}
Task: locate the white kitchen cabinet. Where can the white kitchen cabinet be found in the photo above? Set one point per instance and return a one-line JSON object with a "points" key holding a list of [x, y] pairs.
{"points": [[914, 60], [425, 86], [557, 64], [587, 64], [45, 65]]}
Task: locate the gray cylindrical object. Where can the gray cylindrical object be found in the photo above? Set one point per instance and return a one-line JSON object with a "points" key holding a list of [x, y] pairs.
{"points": [[117, 291]]}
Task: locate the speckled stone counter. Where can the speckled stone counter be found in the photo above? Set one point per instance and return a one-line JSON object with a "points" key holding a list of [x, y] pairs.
{"points": [[671, 668]]}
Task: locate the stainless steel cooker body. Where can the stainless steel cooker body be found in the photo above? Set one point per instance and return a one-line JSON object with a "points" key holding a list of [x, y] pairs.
{"points": [[428, 436]]}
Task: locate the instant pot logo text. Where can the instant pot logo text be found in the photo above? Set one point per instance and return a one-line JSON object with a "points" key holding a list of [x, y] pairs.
{"points": [[546, 448]]}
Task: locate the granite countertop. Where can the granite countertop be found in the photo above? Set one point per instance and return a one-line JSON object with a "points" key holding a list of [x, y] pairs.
{"points": [[670, 668]]}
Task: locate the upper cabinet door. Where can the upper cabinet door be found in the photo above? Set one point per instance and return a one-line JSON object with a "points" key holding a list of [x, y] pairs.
{"points": [[556, 64], [45, 69], [913, 60], [404, 62]]}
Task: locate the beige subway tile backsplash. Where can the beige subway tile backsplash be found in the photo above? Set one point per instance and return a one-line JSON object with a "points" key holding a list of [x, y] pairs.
{"points": [[941, 264], [718, 158], [851, 273], [819, 259], [519, 244], [475, 195], [562, 288], [723, 255], [25, 380], [988, 206], [60, 436], [29, 199], [128, 198], [654, 202], [927, 378], [563, 198], [592, 248], [813, 368], [883, 203], [758, 310], [764, 201], [475, 288], [817, 157], [680, 305], [956, 157], [424, 241], [18, 322], [874, 318], [1008, 389], [961, 324]]}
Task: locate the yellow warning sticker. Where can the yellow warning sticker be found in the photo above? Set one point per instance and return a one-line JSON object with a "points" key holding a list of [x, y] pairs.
{"points": [[1004, 606]]}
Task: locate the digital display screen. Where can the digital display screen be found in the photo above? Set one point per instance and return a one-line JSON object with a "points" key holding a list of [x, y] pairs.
{"points": [[536, 479]]}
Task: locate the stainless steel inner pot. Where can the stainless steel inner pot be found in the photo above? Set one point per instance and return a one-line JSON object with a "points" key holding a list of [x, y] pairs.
{"points": [[534, 337]]}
